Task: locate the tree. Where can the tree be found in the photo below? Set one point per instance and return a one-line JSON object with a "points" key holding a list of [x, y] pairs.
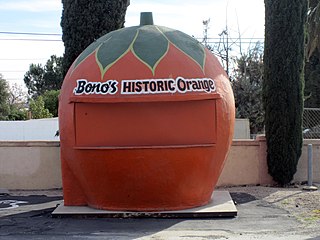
{"points": [[17, 114], [17, 103], [247, 87], [17, 95], [246, 76], [51, 101], [313, 27], [222, 48], [12, 102], [44, 78], [4, 95], [283, 85], [37, 109], [312, 68], [312, 81], [84, 21]]}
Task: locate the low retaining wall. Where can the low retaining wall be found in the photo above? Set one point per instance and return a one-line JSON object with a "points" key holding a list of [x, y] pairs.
{"points": [[36, 164], [247, 163], [30, 165], [29, 130]]}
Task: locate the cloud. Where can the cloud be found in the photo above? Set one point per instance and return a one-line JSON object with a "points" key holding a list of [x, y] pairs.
{"points": [[16, 57], [187, 16], [184, 15], [31, 5], [44, 25]]}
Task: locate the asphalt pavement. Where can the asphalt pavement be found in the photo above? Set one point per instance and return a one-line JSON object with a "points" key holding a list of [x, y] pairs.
{"points": [[28, 216]]}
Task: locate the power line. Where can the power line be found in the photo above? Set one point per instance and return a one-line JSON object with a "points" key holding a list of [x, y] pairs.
{"points": [[59, 40], [59, 34], [22, 59], [13, 79], [13, 71], [30, 39], [233, 44], [214, 40], [235, 39], [32, 33]]}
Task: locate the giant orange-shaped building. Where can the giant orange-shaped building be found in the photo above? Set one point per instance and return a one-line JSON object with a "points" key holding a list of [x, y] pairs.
{"points": [[146, 120]]}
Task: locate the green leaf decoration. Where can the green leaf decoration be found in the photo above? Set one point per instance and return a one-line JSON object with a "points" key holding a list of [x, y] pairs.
{"points": [[148, 43], [190, 46], [116, 37], [114, 47], [150, 46], [90, 49]]}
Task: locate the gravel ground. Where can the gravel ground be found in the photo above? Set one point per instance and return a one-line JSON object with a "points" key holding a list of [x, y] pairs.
{"points": [[301, 204]]}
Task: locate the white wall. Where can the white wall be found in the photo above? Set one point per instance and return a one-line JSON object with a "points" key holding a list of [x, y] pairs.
{"points": [[241, 129], [36, 129]]}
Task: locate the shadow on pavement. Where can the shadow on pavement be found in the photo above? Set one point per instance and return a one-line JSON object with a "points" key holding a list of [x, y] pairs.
{"points": [[40, 223], [241, 197], [35, 223]]}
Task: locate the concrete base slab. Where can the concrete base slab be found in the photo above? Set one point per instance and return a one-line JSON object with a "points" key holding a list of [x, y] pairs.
{"points": [[221, 205]]}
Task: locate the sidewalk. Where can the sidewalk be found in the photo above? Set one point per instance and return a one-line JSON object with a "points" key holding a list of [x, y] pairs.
{"points": [[259, 217]]}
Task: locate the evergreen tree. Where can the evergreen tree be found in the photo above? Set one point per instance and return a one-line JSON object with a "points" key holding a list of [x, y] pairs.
{"points": [[44, 78], [283, 85], [51, 101], [84, 21]]}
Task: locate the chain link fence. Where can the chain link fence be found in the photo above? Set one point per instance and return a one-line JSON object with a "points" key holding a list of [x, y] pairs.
{"points": [[311, 123]]}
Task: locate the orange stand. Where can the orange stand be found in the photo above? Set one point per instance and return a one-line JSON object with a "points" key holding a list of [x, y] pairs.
{"points": [[146, 121]]}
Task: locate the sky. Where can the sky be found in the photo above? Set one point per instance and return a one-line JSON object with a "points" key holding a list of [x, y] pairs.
{"points": [[18, 51]]}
